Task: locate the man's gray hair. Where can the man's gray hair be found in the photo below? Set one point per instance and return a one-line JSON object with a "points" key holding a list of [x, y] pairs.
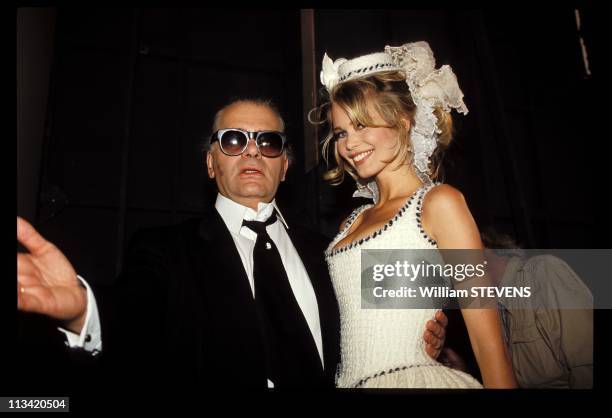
{"points": [[256, 101], [259, 102]]}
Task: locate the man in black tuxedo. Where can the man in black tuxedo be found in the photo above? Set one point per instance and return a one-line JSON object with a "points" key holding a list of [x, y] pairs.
{"points": [[185, 309]]}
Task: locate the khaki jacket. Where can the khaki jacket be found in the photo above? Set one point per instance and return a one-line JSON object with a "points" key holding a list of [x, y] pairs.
{"points": [[550, 348]]}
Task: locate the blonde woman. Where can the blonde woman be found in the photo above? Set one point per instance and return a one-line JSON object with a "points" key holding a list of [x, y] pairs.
{"points": [[389, 118]]}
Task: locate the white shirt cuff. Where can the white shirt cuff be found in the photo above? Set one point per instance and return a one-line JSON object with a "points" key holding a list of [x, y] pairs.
{"points": [[90, 338]]}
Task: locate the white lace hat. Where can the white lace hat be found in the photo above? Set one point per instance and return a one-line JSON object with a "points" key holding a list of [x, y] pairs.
{"points": [[430, 88]]}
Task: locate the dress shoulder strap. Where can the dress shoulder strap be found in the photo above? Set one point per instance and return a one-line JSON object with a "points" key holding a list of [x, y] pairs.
{"points": [[419, 210]]}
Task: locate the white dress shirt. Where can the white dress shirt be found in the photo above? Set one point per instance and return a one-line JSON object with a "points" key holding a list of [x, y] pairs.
{"points": [[232, 214]]}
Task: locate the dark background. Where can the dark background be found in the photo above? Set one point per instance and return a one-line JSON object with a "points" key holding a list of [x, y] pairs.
{"points": [[113, 105]]}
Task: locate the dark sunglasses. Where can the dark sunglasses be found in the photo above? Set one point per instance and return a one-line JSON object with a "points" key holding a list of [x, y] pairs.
{"points": [[234, 141]]}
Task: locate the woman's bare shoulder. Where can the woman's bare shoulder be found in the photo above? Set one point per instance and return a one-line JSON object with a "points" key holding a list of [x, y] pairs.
{"points": [[448, 219], [444, 198]]}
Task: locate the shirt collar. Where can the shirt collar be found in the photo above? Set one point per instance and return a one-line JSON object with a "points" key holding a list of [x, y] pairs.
{"points": [[234, 213]]}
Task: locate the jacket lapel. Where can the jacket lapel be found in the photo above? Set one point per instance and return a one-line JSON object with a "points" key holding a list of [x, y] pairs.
{"points": [[228, 299], [311, 253]]}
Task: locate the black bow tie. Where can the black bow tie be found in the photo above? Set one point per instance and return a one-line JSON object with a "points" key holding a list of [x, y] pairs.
{"points": [[260, 226]]}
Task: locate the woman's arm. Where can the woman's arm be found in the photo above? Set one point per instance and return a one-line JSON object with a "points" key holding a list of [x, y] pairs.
{"points": [[446, 217]]}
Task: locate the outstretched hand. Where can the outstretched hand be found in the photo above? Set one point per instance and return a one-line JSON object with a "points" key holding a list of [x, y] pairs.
{"points": [[46, 281], [435, 334]]}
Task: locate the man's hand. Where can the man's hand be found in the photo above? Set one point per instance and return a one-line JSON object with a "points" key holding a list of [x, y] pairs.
{"points": [[435, 333], [46, 281]]}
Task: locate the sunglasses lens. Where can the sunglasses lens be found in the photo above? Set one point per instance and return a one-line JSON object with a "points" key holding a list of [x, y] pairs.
{"points": [[270, 144], [233, 142]]}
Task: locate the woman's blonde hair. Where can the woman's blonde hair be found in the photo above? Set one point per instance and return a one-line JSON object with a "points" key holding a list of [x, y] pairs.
{"points": [[389, 95]]}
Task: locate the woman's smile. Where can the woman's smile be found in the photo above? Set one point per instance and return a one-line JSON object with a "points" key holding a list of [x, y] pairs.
{"points": [[360, 158]]}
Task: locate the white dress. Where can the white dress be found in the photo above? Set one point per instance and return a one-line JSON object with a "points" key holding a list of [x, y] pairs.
{"points": [[384, 348]]}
